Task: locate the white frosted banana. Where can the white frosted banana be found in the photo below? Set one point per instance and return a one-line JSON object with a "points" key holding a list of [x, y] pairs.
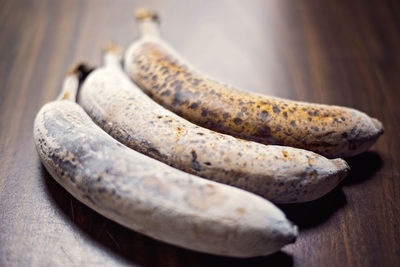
{"points": [[148, 196], [281, 174], [332, 131]]}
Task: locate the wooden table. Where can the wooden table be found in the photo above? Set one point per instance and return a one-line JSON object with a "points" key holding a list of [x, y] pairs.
{"points": [[335, 52]]}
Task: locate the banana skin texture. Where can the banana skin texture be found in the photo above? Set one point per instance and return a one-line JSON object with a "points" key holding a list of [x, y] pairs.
{"points": [[148, 196], [332, 131], [280, 174]]}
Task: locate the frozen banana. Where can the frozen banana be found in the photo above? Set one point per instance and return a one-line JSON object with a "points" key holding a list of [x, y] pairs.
{"points": [[332, 131], [281, 174]]}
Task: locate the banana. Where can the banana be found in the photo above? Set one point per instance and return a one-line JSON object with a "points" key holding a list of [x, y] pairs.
{"points": [[280, 174], [148, 196], [332, 131]]}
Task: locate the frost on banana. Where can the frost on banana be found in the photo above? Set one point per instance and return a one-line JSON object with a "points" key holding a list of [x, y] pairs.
{"points": [[281, 174], [151, 197], [332, 131]]}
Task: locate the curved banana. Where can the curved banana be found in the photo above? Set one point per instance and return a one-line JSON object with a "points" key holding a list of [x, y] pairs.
{"points": [[148, 196], [332, 131], [281, 174]]}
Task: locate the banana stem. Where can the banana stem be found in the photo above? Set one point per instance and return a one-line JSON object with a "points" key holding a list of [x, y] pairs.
{"points": [[148, 22], [112, 55], [75, 76]]}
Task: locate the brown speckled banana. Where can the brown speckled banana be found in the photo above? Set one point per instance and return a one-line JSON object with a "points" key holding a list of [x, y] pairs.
{"points": [[151, 197], [281, 174], [331, 131]]}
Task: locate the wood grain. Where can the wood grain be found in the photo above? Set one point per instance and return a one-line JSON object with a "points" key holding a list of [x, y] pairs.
{"points": [[335, 52]]}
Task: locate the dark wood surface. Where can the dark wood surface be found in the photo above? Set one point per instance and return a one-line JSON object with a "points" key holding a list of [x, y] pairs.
{"points": [[335, 52]]}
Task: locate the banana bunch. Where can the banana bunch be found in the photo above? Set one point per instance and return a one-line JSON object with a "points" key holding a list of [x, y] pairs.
{"points": [[200, 178]]}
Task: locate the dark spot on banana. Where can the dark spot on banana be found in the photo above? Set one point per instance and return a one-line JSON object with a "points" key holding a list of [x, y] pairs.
{"points": [[194, 106], [196, 82], [264, 131], [166, 93], [237, 121], [264, 115], [353, 130], [195, 163]]}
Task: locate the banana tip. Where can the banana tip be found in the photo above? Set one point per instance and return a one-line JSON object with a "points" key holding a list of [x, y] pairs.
{"points": [[379, 126], [343, 167], [81, 70], [295, 233], [142, 14], [113, 48]]}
